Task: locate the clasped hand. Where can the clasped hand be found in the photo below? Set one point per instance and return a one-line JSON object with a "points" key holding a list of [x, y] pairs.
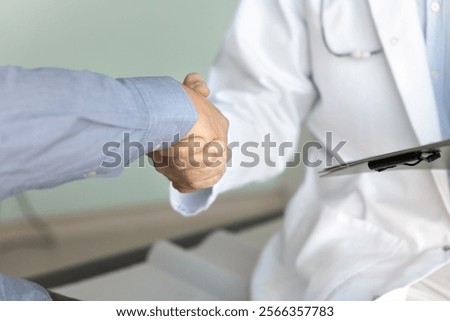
{"points": [[198, 160]]}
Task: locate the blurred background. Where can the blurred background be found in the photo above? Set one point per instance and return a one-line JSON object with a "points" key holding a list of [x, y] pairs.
{"points": [[48, 230]]}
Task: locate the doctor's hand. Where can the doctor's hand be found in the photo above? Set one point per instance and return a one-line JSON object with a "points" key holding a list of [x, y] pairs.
{"points": [[198, 160]]}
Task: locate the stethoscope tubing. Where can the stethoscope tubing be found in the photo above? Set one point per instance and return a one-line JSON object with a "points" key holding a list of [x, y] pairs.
{"points": [[356, 54]]}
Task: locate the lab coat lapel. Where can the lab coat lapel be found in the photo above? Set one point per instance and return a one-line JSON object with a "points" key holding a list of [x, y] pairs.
{"points": [[399, 30], [398, 27]]}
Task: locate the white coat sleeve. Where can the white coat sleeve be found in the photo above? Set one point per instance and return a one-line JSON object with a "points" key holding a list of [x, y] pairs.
{"points": [[261, 83]]}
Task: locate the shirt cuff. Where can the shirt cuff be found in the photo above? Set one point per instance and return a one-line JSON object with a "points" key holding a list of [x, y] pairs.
{"points": [[171, 112], [190, 204]]}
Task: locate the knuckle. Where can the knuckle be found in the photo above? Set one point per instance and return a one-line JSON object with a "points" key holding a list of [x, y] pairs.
{"points": [[198, 185], [182, 188], [189, 177], [215, 180]]}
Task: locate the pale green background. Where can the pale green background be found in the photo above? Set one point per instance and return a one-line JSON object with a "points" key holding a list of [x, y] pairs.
{"points": [[117, 38]]}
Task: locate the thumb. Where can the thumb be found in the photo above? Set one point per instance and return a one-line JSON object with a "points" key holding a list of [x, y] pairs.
{"points": [[196, 82]]}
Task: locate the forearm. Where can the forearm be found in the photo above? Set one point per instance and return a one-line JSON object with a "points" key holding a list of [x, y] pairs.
{"points": [[55, 124]]}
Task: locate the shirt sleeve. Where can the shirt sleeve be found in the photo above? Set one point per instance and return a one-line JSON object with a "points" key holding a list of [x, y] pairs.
{"points": [[261, 81], [12, 289], [58, 125]]}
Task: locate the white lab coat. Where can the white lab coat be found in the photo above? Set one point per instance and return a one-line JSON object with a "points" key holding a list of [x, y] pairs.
{"points": [[349, 237]]}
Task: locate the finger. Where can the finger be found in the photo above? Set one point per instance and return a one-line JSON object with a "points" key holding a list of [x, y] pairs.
{"points": [[177, 164], [191, 177], [213, 154], [188, 172], [216, 149], [229, 154], [183, 189], [187, 146], [196, 82], [157, 157], [199, 185], [193, 153]]}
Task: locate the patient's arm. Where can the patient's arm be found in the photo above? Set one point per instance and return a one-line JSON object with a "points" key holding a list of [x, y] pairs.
{"points": [[55, 124], [12, 289]]}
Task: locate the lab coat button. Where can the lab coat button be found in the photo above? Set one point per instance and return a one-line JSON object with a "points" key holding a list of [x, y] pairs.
{"points": [[446, 248], [90, 174], [394, 41], [435, 7], [434, 74]]}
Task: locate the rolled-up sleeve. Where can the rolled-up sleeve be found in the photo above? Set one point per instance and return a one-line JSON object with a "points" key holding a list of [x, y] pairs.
{"points": [[58, 125]]}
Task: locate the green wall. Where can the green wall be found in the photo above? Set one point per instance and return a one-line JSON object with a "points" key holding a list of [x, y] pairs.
{"points": [[117, 38]]}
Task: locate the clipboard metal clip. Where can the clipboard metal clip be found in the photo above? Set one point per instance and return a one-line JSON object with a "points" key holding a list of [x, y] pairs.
{"points": [[406, 159]]}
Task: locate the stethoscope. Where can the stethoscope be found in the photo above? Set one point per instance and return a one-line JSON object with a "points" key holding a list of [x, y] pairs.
{"points": [[356, 54]]}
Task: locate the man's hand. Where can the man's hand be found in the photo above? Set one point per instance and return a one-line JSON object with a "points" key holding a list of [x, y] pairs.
{"points": [[198, 160]]}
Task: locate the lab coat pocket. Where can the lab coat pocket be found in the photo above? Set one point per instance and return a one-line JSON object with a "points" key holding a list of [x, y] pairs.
{"points": [[339, 247], [347, 27]]}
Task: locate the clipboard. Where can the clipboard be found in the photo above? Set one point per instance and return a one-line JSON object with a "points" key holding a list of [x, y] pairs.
{"points": [[430, 156]]}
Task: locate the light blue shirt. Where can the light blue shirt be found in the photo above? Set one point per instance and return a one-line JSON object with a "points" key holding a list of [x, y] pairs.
{"points": [[12, 289], [435, 20], [54, 124]]}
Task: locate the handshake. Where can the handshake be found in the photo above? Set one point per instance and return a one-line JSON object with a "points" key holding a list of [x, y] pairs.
{"points": [[199, 159]]}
